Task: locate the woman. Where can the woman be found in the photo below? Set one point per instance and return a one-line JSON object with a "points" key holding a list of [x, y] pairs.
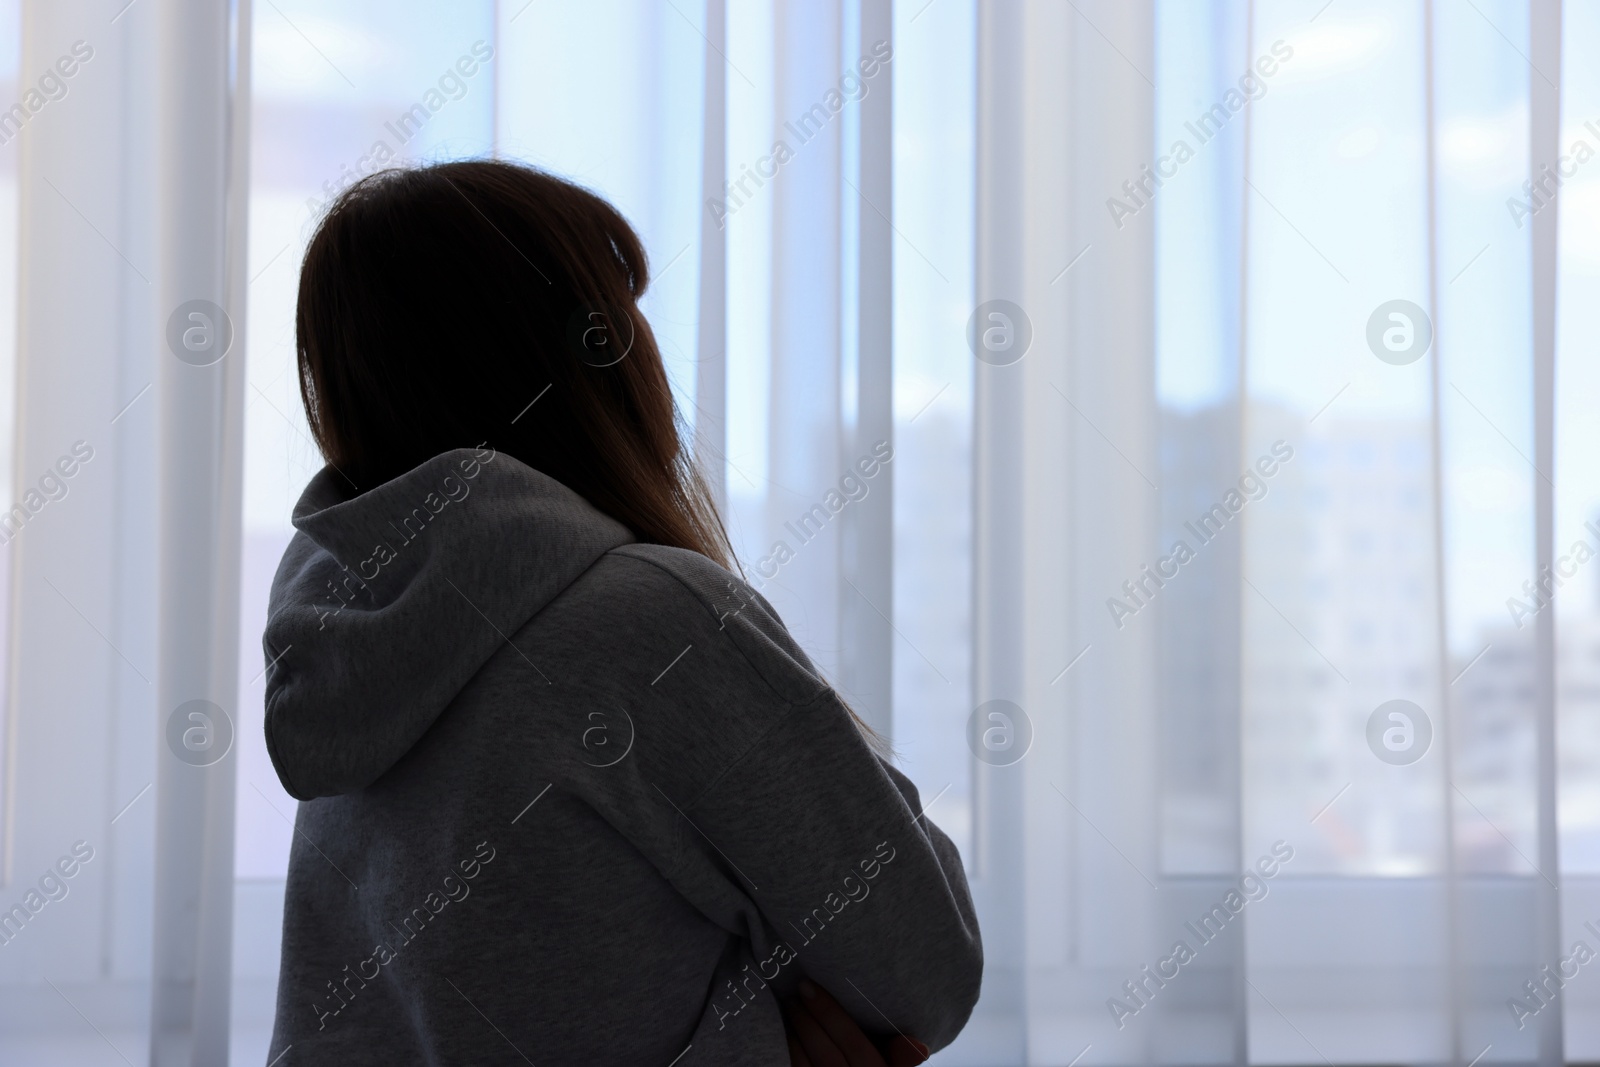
{"points": [[572, 795]]}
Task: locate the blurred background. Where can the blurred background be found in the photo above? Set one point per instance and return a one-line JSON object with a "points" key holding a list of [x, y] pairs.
{"points": [[1288, 283]]}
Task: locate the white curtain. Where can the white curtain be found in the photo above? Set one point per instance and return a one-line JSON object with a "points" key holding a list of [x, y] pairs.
{"points": [[1168, 421], [1244, 559]]}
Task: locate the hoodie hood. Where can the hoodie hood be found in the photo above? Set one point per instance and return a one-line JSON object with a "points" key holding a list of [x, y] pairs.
{"points": [[387, 603]]}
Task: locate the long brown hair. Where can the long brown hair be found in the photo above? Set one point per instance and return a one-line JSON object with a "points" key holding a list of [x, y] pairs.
{"points": [[446, 306], [478, 302]]}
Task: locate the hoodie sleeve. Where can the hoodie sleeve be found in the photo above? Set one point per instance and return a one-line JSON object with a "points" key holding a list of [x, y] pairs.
{"points": [[866, 895], [855, 887]]}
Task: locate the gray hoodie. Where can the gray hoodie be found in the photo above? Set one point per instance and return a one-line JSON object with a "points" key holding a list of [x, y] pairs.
{"points": [[572, 799]]}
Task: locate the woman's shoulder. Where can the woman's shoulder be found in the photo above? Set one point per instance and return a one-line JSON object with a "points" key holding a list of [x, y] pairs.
{"points": [[681, 591]]}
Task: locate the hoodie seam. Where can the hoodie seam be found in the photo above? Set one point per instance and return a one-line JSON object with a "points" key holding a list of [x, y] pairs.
{"points": [[757, 671]]}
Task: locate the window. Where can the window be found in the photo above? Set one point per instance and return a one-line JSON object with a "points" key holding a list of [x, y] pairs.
{"points": [[1224, 368]]}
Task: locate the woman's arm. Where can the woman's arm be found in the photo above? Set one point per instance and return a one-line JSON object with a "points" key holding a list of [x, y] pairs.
{"points": [[859, 890], [774, 785]]}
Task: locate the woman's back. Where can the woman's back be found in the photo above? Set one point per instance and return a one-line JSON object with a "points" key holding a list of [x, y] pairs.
{"points": [[573, 798]]}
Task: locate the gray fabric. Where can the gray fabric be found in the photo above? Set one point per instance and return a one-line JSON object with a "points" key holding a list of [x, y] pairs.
{"points": [[706, 822]]}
